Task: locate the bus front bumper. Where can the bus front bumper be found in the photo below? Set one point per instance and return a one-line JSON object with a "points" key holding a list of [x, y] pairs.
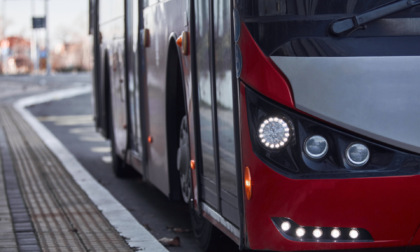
{"points": [[388, 209]]}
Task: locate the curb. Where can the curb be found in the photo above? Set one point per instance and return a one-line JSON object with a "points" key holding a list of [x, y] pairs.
{"points": [[120, 218]]}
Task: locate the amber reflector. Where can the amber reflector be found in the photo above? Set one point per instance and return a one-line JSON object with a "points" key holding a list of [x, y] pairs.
{"points": [[146, 38], [192, 164], [248, 183], [179, 41]]}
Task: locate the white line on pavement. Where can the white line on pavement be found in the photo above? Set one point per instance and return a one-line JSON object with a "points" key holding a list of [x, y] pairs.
{"points": [[122, 220]]}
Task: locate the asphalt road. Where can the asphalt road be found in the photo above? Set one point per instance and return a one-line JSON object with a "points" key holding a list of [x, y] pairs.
{"points": [[71, 121]]}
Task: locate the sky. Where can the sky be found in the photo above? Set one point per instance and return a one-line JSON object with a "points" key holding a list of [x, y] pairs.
{"points": [[67, 19]]}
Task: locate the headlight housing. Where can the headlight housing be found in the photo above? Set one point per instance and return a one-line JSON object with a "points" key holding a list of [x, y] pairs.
{"points": [[312, 149]]}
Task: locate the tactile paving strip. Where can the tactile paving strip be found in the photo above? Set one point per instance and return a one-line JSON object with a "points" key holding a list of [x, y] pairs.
{"points": [[63, 216], [20, 231]]}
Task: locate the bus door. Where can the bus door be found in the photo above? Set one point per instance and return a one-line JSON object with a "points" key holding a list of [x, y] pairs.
{"points": [[133, 26], [215, 95]]}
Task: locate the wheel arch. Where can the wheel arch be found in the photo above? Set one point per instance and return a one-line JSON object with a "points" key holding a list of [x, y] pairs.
{"points": [[175, 109], [107, 96]]}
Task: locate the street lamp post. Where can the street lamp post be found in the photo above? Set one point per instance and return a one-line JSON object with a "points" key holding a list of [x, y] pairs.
{"points": [[3, 26], [34, 46], [3, 19], [47, 46]]}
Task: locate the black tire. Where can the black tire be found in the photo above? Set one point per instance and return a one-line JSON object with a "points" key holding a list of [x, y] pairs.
{"points": [[182, 161], [203, 230], [118, 166]]}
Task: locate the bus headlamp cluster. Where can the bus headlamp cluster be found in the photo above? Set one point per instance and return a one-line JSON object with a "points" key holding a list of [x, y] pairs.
{"points": [[274, 133], [293, 231], [301, 147]]}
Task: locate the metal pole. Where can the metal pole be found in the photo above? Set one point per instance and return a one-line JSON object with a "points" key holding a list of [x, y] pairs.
{"points": [[3, 18], [3, 36], [47, 46], [34, 45]]}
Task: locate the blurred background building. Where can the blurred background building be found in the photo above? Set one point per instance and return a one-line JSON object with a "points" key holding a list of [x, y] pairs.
{"points": [[16, 56], [25, 44]]}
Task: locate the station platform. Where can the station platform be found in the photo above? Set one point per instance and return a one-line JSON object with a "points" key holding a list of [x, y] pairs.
{"points": [[44, 208], [41, 207]]}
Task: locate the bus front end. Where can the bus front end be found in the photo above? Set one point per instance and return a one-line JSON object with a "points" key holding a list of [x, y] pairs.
{"points": [[330, 116]]}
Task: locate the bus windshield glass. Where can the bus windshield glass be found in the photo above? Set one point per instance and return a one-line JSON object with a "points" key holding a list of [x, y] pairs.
{"points": [[304, 27]]}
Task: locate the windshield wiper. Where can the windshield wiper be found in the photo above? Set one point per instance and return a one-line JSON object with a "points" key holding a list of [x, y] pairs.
{"points": [[342, 26]]}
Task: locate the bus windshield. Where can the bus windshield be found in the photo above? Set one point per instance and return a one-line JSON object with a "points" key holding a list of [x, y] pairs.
{"points": [[303, 28]]}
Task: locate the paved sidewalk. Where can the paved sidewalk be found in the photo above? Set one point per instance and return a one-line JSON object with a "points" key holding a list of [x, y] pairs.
{"points": [[41, 207]]}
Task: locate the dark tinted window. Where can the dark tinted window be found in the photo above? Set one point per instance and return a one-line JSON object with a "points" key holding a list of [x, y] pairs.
{"points": [[301, 28]]}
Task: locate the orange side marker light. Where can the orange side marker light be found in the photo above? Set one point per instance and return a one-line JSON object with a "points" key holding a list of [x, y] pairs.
{"points": [[183, 42], [248, 183], [146, 37], [192, 164], [150, 139], [179, 41]]}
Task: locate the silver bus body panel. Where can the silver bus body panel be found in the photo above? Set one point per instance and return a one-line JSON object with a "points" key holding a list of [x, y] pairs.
{"points": [[158, 22], [378, 97], [111, 25]]}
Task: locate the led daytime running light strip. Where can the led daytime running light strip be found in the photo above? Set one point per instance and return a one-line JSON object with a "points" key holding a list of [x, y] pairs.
{"points": [[293, 231]]}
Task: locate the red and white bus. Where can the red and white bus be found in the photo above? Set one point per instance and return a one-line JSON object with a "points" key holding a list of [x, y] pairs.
{"points": [[287, 124]]}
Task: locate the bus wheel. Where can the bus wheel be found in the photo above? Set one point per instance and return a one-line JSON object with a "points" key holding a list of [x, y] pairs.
{"points": [[203, 231], [117, 163], [119, 168], [202, 228], [183, 157]]}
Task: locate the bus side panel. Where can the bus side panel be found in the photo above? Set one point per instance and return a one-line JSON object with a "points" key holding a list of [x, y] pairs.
{"points": [[159, 20], [111, 19]]}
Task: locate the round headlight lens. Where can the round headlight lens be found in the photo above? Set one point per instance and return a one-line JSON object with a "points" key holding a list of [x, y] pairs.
{"points": [[316, 147], [357, 154], [274, 133]]}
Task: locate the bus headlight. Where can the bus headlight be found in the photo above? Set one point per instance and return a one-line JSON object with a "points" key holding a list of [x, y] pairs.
{"points": [[274, 133], [357, 154], [316, 147]]}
